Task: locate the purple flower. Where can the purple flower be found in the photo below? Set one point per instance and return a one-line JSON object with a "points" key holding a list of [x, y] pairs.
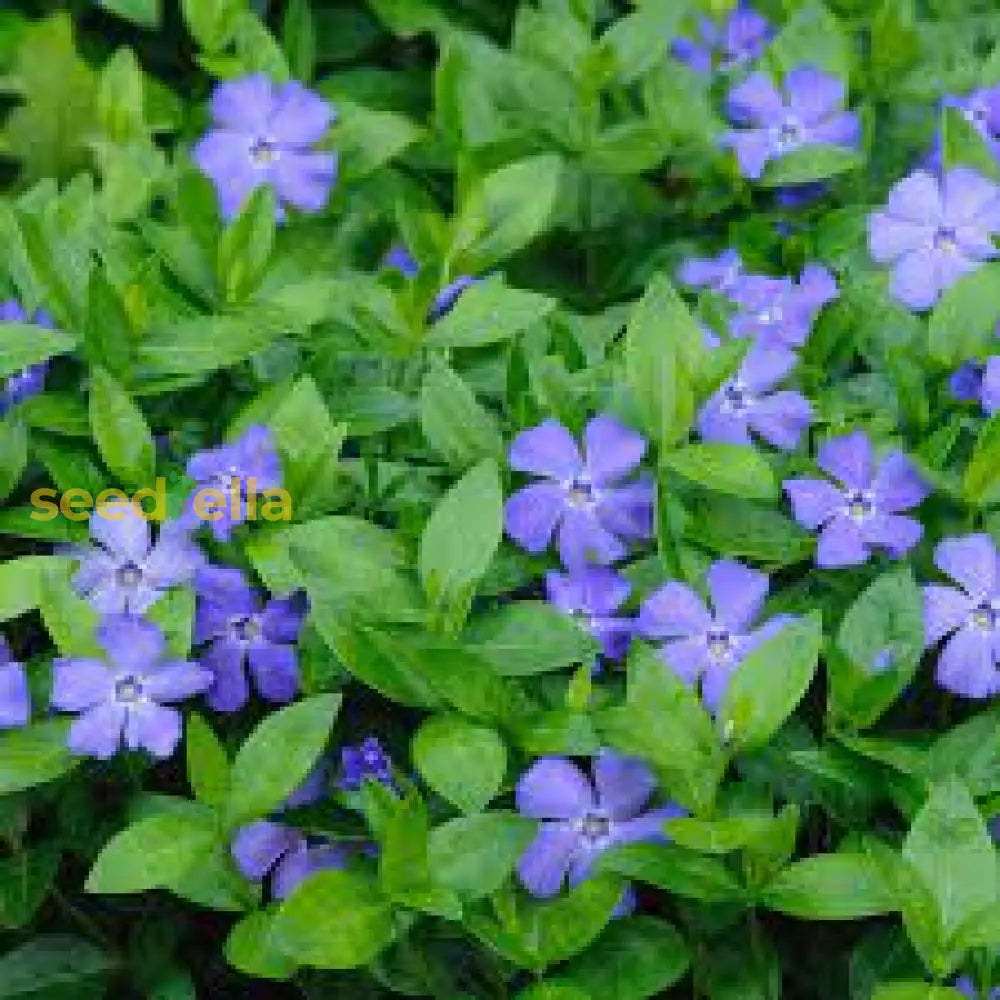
{"points": [[968, 615], [864, 511], [967, 988], [809, 111], [800, 195], [966, 382], [123, 572], [267, 847], [264, 134], [28, 381], [249, 464], [367, 761], [740, 38], [745, 403], [703, 645], [593, 594], [934, 233], [579, 499], [981, 109], [400, 259], [989, 389], [124, 698], [15, 698], [243, 632], [717, 273], [581, 819], [779, 311]]}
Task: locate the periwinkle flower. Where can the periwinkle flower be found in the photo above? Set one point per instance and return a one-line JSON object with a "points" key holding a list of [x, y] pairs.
{"points": [[718, 274], [780, 311], [580, 499], [807, 111], [967, 616], [934, 232], [125, 698], [15, 698], [705, 647], [29, 381], [740, 38], [593, 594], [400, 259], [746, 403], [245, 634], [581, 819], [366, 761], [123, 572], [862, 512], [966, 383], [249, 464], [264, 133], [967, 988]]}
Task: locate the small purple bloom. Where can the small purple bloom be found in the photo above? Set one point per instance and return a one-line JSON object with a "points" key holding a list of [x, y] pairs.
{"points": [[581, 499], [989, 389], [780, 311], [29, 381], [800, 195], [809, 111], [934, 233], [264, 134], [864, 511], [593, 594], [740, 38], [967, 988], [249, 464], [582, 818], [124, 699], [267, 847], [400, 259], [716, 273], [15, 698], [966, 382], [967, 615], [367, 761], [746, 403], [244, 633], [703, 645], [123, 572]]}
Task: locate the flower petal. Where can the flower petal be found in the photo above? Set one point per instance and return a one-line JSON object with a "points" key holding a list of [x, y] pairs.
{"points": [[546, 450], [300, 117], [945, 609], [917, 197], [840, 543], [132, 643], [889, 236], [15, 697], [612, 450], [966, 665], [583, 539], [121, 531], [971, 561], [543, 867], [257, 847], [275, 671], [78, 684], [175, 680], [814, 501], [848, 459], [304, 179], [648, 828], [893, 532], [153, 727], [726, 426], [98, 731], [738, 593], [230, 689], [756, 100], [624, 784], [673, 611], [531, 515], [814, 95], [966, 195], [628, 510], [688, 658], [782, 418], [897, 485], [554, 788], [915, 281], [243, 104]]}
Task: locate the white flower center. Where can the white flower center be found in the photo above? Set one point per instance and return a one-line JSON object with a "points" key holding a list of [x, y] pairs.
{"points": [[128, 689], [770, 315], [736, 398], [263, 152], [594, 828], [720, 643], [129, 575], [985, 617], [244, 627], [790, 134], [580, 494], [859, 505], [946, 239]]}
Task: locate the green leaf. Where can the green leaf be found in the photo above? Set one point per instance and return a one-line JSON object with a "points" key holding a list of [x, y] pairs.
{"points": [[971, 752], [333, 920], [814, 30], [152, 853], [207, 762], [34, 755], [725, 468], [963, 322], [675, 869], [455, 425], [13, 453], [24, 344], [473, 855], [298, 38], [278, 755], [553, 991], [981, 482], [368, 138], [461, 536], [120, 98], [633, 959], [462, 762], [881, 637], [246, 245], [915, 991], [769, 682], [487, 313], [55, 967], [567, 925], [25, 880], [505, 211], [950, 849], [812, 163], [212, 23], [20, 585], [250, 948], [145, 13], [662, 349], [962, 145], [724, 834], [530, 637], [830, 887], [120, 431]]}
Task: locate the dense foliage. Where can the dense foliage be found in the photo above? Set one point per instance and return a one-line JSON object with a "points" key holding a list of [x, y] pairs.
{"points": [[499, 500]]}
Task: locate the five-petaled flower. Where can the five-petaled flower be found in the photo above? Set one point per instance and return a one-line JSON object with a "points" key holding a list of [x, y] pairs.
{"points": [[15, 697], [703, 645], [243, 632], [747, 403], [807, 111], [863, 512], [581, 499], [123, 572], [264, 134], [740, 38], [934, 232], [968, 616], [593, 594], [29, 381], [582, 819], [125, 698]]}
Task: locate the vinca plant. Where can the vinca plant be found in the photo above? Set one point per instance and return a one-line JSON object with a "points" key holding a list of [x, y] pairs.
{"points": [[500, 499]]}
